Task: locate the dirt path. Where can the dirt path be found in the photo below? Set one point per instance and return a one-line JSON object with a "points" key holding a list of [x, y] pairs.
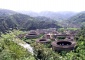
{"points": [[24, 44], [27, 46]]}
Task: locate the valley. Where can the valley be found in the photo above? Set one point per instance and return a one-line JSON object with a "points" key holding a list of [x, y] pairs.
{"points": [[42, 36]]}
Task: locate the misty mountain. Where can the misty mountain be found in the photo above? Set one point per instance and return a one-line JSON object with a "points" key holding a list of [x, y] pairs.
{"points": [[14, 20], [30, 13], [78, 19], [58, 15], [5, 12], [53, 15]]}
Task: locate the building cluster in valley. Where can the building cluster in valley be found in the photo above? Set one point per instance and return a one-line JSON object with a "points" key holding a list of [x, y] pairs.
{"points": [[58, 40]]}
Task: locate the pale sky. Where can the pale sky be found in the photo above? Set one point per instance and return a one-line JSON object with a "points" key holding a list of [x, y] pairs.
{"points": [[43, 5]]}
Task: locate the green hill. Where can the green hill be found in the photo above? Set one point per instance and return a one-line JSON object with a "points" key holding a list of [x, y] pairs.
{"points": [[78, 19], [75, 21], [14, 20]]}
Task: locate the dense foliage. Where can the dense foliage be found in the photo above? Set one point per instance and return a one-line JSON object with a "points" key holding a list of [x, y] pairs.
{"points": [[9, 50]]}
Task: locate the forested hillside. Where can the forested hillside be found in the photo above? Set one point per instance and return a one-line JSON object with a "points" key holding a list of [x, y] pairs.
{"points": [[16, 20], [78, 20], [75, 21]]}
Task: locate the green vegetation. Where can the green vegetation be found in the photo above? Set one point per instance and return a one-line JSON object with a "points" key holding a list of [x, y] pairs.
{"points": [[72, 29], [24, 22], [60, 29], [60, 38], [10, 50]]}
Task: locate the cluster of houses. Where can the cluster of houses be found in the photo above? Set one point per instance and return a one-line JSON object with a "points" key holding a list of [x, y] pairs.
{"points": [[59, 40]]}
